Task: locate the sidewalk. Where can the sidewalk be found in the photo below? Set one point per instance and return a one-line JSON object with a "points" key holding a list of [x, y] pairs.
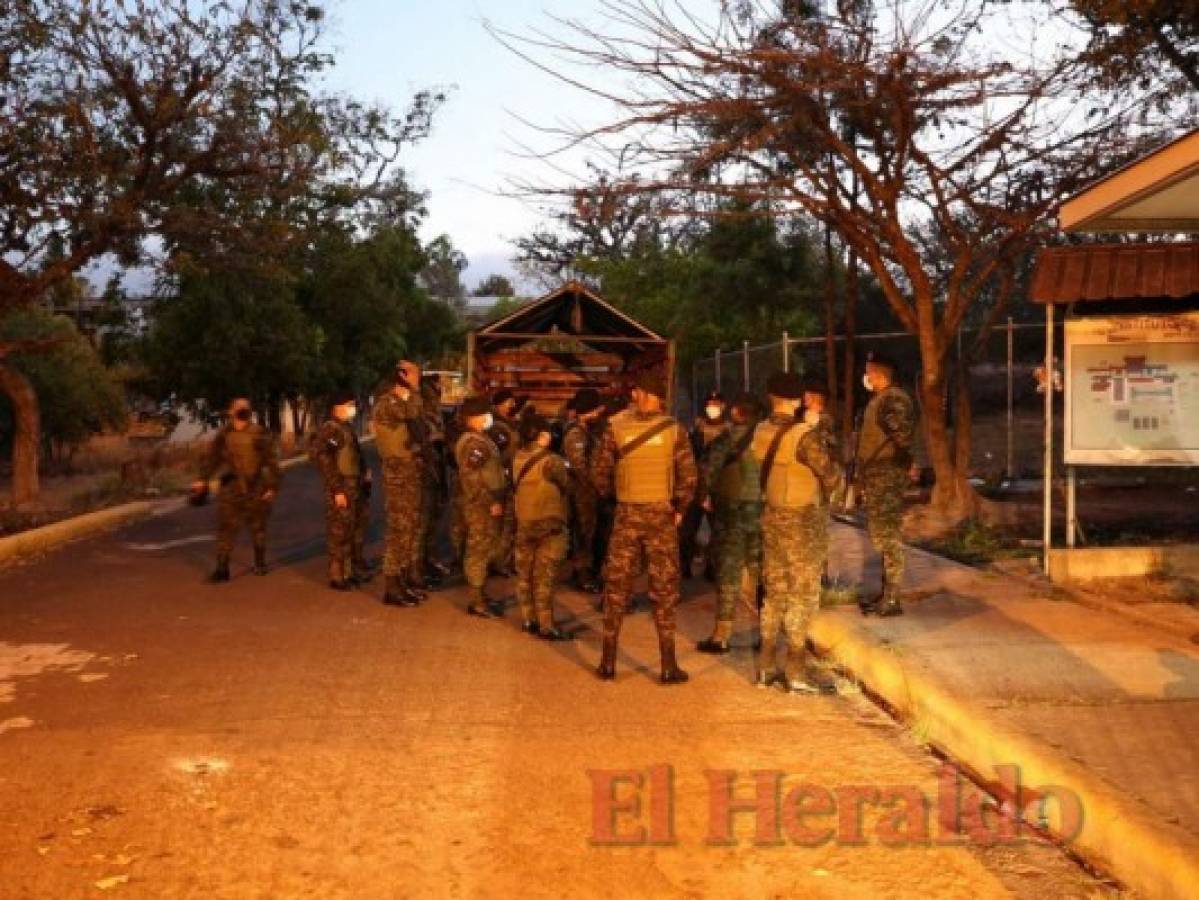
{"points": [[988, 665]]}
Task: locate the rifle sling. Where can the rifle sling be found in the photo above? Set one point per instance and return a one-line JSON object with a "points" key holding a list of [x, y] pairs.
{"points": [[772, 452], [644, 438]]}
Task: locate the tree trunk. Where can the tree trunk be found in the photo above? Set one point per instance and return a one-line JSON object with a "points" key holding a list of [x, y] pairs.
{"points": [[27, 430], [830, 318], [953, 499]]}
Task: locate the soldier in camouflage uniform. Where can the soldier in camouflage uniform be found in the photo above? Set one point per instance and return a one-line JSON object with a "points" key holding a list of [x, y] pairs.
{"points": [[735, 502], [505, 435], [541, 484], [347, 492], [242, 457], [883, 458], [483, 483], [578, 446], [434, 483], [708, 427], [795, 464], [401, 441], [645, 459]]}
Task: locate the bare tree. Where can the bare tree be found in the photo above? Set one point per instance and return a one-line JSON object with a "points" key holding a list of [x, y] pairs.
{"points": [[881, 120]]}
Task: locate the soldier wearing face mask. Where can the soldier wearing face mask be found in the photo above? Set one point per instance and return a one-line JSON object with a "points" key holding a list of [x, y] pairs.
{"points": [[347, 492], [242, 456], [483, 494], [711, 424]]}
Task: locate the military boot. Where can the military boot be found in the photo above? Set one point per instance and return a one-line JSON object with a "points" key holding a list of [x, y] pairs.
{"points": [[221, 573], [260, 561], [795, 672], [395, 592], [413, 586], [671, 673], [719, 641], [337, 577], [480, 606], [767, 673], [870, 605], [606, 670]]}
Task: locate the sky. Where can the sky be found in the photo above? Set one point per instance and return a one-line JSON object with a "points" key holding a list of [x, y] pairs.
{"points": [[388, 49]]}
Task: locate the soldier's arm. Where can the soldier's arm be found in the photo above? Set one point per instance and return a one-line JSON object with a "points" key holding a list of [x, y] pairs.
{"points": [[574, 447], [814, 451], [603, 467], [686, 475], [557, 474], [213, 457], [897, 417], [717, 458], [329, 444], [270, 460]]}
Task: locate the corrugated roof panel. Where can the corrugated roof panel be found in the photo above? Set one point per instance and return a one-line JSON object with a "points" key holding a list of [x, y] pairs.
{"points": [[1116, 272]]}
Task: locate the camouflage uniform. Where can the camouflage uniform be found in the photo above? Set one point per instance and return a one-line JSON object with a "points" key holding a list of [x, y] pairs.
{"points": [[883, 458], [339, 458], [247, 466], [577, 447], [732, 475], [703, 435], [482, 483], [541, 488], [650, 483], [795, 537], [400, 439], [504, 435], [434, 480]]}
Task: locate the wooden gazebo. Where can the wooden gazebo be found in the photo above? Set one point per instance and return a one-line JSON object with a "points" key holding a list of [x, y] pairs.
{"points": [[568, 339]]}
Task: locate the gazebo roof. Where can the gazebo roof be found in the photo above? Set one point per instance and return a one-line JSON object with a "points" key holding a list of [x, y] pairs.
{"points": [[1157, 193], [1129, 272], [573, 310]]}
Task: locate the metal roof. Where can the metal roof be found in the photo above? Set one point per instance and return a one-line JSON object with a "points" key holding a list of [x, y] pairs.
{"points": [[1116, 272]]}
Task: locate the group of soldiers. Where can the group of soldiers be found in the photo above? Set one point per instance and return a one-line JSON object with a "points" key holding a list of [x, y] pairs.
{"points": [[621, 491]]}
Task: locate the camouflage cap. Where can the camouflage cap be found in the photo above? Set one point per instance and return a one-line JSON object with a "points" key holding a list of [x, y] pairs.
{"points": [[475, 406], [652, 383], [785, 386]]}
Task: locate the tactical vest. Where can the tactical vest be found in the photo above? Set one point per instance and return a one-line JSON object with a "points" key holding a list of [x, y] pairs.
{"points": [[873, 444], [739, 480], [647, 474], [792, 485], [241, 448], [537, 497], [495, 479], [349, 462]]}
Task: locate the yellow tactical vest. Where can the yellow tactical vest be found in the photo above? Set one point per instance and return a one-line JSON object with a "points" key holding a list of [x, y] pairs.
{"points": [[873, 444], [242, 451], [739, 480], [537, 497], [647, 474], [792, 485]]}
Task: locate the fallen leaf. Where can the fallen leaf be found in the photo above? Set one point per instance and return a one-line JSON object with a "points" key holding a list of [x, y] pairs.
{"points": [[42, 851], [112, 881], [81, 832]]}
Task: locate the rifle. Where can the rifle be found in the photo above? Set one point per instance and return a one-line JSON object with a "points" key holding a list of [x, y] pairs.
{"points": [[851, 467]]}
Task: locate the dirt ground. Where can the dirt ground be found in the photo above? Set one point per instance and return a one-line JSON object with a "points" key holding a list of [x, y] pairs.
{"points": [[163, 738]]}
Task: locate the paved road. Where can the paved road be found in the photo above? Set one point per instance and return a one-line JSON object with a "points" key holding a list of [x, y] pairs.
{"points": [[163, 738]]}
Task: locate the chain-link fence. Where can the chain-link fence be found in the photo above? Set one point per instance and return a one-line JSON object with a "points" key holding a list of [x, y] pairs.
{"points": [[1007, 408]]}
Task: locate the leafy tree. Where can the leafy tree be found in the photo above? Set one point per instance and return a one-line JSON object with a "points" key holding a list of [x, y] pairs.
{"points": [[1142, 42], [495, 286], [198, 124], [81, 398], [442, 274]]}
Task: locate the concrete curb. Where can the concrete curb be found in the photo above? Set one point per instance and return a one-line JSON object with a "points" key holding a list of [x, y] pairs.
{"points": [[40, 540], [1118, 834]]}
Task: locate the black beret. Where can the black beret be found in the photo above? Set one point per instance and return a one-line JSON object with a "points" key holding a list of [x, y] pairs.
{"points": [[341, 398], [882, 361], [785, 386], [714, 397], [501, 396], [586, 400], [747, 404], [475, 406], [532, 427]]}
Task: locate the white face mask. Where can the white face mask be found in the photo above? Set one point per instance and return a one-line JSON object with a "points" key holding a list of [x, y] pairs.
{"points": [[488, 421], [867, 383], [351, 412], [713, 411]]}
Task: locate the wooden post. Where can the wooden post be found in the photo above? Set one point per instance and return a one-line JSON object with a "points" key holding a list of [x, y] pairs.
{"points": [[786, 352], [1010, 467], [470, 363], [1047, 465]]}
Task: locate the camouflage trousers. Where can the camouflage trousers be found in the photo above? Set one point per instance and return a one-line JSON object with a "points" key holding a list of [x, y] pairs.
{"points": [[540, 549], [237, 507], [642, 530], [584, 505], [345, 532], [882, 497], [457, 523], [739, 554], [507, 539], [481, 542], [430, 516], [402, 503], [693, 520], [796, 546]]}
